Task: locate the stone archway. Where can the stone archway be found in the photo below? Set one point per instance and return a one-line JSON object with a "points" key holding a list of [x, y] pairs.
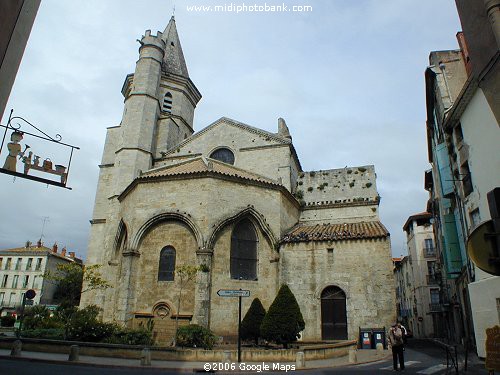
{"points": [[333, 314]]}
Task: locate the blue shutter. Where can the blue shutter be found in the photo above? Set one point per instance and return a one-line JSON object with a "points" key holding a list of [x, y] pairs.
{"points": [[451, 246], [445, 175]]}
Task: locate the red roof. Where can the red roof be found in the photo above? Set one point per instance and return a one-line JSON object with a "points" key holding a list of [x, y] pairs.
{"points": [[336, 232]]}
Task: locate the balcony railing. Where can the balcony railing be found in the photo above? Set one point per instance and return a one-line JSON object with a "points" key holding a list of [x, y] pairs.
{"points": [[436, 307], [433, 279], [429, 252]]}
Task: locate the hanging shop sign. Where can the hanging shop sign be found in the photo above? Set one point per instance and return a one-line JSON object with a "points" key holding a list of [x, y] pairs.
{"points": [[21, 160]]}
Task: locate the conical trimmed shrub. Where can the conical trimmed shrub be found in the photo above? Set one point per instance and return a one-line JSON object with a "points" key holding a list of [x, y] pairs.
{"points": [[250, 325], [283, 322]]}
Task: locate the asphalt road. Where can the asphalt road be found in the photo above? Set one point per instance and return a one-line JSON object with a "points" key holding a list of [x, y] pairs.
{"points": [[420, 358]]}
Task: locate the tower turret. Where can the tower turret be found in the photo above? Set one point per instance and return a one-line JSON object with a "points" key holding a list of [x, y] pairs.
{"points": [[179, 96], [160, 100], [141, 91]]}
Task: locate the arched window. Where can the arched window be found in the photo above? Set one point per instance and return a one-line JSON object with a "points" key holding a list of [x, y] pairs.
{"points": [[224, 155], [244, 251], [167, 264], [167, 103]]}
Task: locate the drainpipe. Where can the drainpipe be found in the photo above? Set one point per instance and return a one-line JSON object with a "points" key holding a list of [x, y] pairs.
{"points": [[493, 11]]}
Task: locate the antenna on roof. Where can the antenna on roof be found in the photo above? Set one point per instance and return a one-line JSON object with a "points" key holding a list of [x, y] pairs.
{"points": [[45, 219], [173, 12]]}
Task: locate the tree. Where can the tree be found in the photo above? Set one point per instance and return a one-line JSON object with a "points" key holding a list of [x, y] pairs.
{"points": [[283, 322], [250, 325], [70, 278], [185, 274]]}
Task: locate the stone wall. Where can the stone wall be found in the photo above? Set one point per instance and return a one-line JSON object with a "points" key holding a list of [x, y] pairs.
{"points": [[361, 268], [224, 310], [345, 185], [170, 354]]}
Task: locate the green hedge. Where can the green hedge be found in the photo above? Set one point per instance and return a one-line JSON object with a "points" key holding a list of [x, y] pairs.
{"points": [[128, 336], [195, 336], [50, 334], [7, 321]]}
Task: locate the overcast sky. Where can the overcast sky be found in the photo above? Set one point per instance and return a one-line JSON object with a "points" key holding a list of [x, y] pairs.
{"points": [[347, 77]]}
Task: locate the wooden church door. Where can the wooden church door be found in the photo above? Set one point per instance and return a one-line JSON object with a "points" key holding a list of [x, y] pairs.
{"points": [[333, 314]]}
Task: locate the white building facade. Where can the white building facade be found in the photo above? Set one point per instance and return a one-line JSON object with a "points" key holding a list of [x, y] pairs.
{"points": [[23, 268]]}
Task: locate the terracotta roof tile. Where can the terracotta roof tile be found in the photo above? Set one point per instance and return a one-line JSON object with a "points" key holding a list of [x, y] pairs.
{"points": [[204, 165], [336, 232]]}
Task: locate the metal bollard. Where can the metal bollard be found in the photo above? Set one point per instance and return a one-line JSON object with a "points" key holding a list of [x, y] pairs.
{"points": [[146, 357], [353, 355], [74, 353], [16, 348], [300, 360], [226, 356]]}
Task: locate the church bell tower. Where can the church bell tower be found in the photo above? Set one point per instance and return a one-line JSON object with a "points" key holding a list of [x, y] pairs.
{"points": [[160, 100], [159, 105]]}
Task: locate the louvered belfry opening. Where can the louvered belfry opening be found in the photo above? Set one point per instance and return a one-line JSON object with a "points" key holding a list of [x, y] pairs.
{"points": [[244, 251], [333, 314]]}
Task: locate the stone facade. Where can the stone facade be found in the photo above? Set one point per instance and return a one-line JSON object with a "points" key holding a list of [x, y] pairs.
{"points": [[161, 186]]}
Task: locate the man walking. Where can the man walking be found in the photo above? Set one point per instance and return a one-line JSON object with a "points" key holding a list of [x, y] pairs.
{"points": [[397, 346]]}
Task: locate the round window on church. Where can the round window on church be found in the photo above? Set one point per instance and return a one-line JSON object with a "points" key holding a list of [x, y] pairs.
{"points": [[224, 155]]}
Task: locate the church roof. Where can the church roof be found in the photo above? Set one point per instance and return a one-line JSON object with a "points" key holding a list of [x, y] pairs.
{"points": [[202, 165], [173, 62], [336, 232]]}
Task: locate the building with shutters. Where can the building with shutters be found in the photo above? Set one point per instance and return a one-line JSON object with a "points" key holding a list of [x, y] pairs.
{"points": [[23, 268], [235, 199]]}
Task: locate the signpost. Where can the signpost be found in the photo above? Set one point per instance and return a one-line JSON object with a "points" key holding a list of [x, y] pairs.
{"points": [[27, 300], [233, 293], [236, 293]]}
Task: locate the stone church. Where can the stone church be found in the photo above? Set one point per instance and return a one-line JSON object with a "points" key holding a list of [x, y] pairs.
{"points": [[235, 199]]}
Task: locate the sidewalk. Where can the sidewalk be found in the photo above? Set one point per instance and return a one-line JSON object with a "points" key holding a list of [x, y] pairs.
{"points": [[364, 356]]}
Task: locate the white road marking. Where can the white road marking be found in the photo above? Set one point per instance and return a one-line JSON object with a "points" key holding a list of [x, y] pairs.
{"points": [[409, 363], [432, 370]]}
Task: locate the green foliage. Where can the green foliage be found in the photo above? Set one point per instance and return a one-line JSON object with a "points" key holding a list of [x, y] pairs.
{"points": [[83, 325], [310, 188], [250, 325], [39, 317], [299, 194], [195, 336], [127, 336], [7, 321], [49, 333], [283, 322], [69, 283], [312, 173], [204, 268], [368, 184], [70, 278], [362, 169], [185, 275]]}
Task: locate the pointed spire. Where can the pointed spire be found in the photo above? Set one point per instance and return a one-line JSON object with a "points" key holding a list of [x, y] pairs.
{"points": [[174, 58]]}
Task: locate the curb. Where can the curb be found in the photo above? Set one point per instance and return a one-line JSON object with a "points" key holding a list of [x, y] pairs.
{"points": [[89, 364], [154, 368]]}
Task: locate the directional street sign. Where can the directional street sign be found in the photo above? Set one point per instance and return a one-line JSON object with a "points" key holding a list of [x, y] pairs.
{"points": [[233, 293]]}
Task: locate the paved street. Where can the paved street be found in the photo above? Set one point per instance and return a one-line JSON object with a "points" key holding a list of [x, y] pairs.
{"points": [[421, 357]]}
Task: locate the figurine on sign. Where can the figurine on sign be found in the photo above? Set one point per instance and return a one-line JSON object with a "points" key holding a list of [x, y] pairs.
{"points": [[14, 148]]}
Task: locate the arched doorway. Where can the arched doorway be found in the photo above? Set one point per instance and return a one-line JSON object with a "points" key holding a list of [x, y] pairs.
{"points": [[333, 314]]}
